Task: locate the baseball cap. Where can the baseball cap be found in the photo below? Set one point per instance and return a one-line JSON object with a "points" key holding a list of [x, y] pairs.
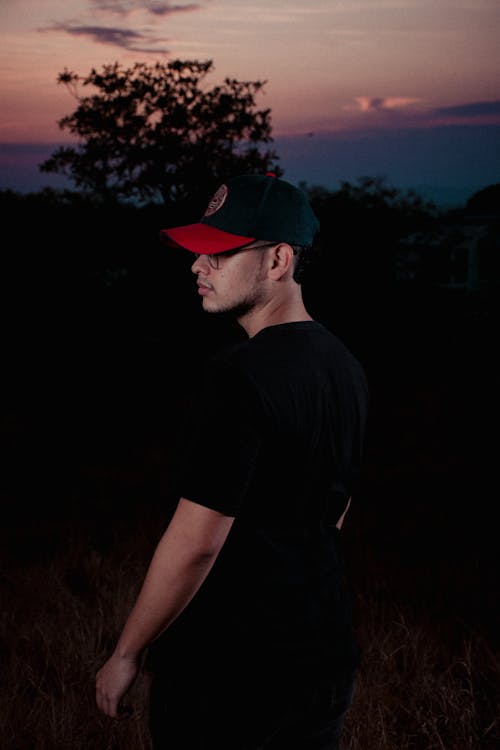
{"points": [[245, 209]]}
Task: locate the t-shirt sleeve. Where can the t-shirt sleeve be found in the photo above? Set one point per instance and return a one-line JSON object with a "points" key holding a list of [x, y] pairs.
{"points": [[222, 442]]}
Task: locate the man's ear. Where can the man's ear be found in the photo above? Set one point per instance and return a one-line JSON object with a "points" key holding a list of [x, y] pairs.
{"points": [[280, 260]]}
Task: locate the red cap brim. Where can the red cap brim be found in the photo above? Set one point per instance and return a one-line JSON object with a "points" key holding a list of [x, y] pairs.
{"points": [[204, 239]]}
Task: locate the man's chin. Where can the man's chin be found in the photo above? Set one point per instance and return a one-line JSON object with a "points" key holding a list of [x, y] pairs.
{"points": [[210, 307]]}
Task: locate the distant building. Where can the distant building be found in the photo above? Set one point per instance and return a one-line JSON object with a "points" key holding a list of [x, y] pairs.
{"points": [[462, 252]]}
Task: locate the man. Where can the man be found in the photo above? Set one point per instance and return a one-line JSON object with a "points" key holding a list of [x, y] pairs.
{"points": [[244, 612]]}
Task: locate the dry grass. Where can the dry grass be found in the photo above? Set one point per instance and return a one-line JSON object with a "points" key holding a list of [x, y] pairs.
{"points": [[425, 682], [58, 624], [416, 690]]}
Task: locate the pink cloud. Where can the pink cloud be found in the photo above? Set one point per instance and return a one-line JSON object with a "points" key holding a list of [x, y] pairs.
{"points": [[380, 104]]}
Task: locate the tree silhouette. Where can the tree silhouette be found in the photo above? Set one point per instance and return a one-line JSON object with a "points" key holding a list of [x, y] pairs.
{"points": [[153, 132], [485, 201]]}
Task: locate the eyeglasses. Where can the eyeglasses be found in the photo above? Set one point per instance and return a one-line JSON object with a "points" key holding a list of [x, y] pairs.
{"points": [[214, 258]]}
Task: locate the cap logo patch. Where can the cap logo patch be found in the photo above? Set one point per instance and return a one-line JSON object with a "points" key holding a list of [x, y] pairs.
{"points": [[217, 201]]}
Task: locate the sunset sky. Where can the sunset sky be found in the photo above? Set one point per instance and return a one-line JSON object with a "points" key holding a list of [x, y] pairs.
{"points": [[406, 89]]}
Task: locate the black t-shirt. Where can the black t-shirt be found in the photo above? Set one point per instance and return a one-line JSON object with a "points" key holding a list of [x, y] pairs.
{"points": [[275, 439]]}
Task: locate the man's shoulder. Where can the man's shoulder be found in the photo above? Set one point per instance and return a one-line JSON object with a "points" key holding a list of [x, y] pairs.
{"points": [[305, 350]]}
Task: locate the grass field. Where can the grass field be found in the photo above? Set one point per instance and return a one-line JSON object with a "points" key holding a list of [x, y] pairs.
{"points": [[428, 676]]}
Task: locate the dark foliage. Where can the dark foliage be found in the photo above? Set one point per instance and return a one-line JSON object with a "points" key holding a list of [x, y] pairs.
{"points": [[102, 329], [352, 281]]}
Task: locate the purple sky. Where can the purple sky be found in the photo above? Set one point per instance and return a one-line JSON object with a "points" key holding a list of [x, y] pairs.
{"points": [[406, 89]]}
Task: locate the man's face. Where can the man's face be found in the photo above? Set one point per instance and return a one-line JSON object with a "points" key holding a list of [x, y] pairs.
{"points": [[237, 285]]}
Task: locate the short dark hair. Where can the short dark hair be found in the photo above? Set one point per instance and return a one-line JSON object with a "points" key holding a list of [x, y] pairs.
{"points": [[304, 257]]}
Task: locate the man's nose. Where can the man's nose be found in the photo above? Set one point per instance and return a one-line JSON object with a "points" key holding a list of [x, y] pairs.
{"points": [[200, 264]]}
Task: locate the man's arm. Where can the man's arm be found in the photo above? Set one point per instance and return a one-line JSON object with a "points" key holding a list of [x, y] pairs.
{"points": [[181, 562]]}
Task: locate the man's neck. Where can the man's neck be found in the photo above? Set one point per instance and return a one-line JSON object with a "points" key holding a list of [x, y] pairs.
{"points": [[292, 311]]}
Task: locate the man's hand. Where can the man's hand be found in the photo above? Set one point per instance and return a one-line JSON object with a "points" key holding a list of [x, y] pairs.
{"points": [[341, 519], [113, 680]]}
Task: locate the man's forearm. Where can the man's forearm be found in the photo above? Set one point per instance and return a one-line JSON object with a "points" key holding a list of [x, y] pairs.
{"points": [[181, 562], [166, 591]]}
